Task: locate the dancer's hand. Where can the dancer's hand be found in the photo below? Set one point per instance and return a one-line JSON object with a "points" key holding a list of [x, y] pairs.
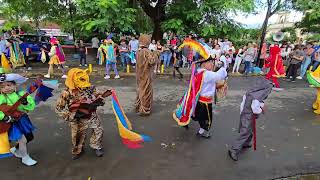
{"points": [[263, 109], [8, 119], [24, 101]]}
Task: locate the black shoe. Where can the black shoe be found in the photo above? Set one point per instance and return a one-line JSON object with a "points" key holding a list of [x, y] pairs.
{"points": [[186, 127], [99, 152], [204, 135], [75, 156], [246, 147], [233, 156]]}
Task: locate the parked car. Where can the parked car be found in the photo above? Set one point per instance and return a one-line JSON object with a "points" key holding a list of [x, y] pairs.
{"points": [[35, 42]]}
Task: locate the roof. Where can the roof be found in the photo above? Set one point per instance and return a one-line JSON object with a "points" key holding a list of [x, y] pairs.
{"points": [[49, 25]]}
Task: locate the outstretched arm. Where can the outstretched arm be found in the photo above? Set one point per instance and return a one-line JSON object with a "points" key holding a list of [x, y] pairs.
{"points": [[221, 74]]}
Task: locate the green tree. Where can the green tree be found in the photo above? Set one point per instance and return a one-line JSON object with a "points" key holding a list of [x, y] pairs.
{"points": [[311, 19], [208, 17], [290, 34], [273, 6], [34, 10], [104, 15]]}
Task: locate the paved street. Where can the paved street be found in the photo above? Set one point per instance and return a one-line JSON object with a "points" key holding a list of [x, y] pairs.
{"points": [[288, 139]]}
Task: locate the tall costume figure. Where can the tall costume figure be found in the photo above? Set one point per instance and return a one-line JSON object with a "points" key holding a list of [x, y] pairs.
{"points": [[15, 54], [77, 105], [314, 79], [275, 63], [197, 100], [17, 126], [252, 105], [145, 63], [57, 57]]}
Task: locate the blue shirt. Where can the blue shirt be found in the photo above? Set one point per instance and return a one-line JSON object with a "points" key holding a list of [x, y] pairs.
{"points": [[134, 45], [23, 47], [3, 46]]}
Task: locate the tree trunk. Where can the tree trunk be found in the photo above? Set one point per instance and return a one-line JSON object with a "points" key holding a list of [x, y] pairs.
{"points": [[157, 15], [157, 32], [263, 33]]}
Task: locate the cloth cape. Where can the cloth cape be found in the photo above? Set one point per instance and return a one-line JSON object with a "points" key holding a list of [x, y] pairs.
{"points": [[187, 104]]}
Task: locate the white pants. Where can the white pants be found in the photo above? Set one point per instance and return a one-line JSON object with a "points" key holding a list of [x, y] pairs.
{"points": [[236, 64], [22, 151]]}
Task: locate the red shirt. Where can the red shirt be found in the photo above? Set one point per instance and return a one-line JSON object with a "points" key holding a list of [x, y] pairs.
{"points": [[174, 42]]}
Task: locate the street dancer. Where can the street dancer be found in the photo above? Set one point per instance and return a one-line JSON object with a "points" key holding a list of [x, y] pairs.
{"points": [[252, 105]]}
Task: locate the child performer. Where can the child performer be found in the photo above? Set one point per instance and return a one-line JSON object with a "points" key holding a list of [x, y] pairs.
{"points": [[20, 128], [252, 105], [79, 91], [197, 102], [57, 57]]}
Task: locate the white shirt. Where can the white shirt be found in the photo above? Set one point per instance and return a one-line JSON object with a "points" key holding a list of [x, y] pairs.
{"points": [[224, 60], [216, 52], [95, 42], [152, 47], [209, 82], [256, 105]]}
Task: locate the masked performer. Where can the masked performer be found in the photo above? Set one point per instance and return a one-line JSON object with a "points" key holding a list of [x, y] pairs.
{"points": [[275, 63], [252, 105], [145, 63], [18, 126], [57, 57], [197, 101], [14, 53], [77, 105]]}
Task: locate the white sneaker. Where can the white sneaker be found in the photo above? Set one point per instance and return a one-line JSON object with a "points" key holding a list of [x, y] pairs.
{"points": [[86, 65], [155, 71], [15, 152], [80, 65], [64, 76], [299, 77], [107, 77], [117, 77], [27, 160], [47, 76], [158, 71], [277, 89], [29, 68]]}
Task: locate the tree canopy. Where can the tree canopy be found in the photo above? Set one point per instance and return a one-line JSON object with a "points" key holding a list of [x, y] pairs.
{"points": [[311, 20], [209, 18]]}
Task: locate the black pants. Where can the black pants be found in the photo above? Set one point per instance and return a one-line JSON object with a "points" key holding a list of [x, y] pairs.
{"points": [[27, 61], [293, 71], [83, 58], [203, 114]]}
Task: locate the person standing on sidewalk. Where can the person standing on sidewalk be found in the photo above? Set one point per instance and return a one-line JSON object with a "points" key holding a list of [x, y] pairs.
{"points": [[248, 58], [305, 64], [111, 60], [124, 54], [238, 60], [296, 57], [83, 53], [133, 48], [95, 45]]}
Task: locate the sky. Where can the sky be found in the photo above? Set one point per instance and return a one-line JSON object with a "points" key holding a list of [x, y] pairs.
{"points": [[256, 20]]}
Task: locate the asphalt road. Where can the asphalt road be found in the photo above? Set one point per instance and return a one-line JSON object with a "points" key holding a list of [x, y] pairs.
{"points": [[288, 139]]}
